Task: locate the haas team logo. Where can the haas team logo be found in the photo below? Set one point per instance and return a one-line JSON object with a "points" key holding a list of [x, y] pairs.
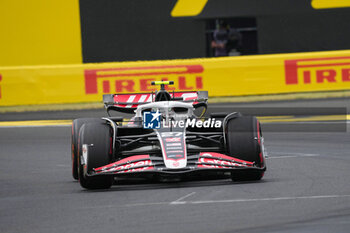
{"points": [[138, 79], [317, 70]]}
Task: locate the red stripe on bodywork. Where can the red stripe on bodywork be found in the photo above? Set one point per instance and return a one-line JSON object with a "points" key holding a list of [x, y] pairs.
{"points": [[220, 160], [126, 160], [135, 163], [218, 156], [123, 98]]}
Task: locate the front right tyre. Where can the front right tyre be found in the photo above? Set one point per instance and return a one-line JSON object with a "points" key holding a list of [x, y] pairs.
{"points": [[97, 136], [76, 125]]}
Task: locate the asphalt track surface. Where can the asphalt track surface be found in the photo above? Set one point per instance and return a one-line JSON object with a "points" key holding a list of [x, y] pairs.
{"points": [[305, 189]]}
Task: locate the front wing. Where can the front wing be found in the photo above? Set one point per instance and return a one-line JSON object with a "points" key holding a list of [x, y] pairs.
{"points": [[204, 161]]}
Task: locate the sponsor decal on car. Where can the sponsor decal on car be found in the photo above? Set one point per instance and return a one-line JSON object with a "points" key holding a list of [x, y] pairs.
{"points": [[173, 144], [317, 70], [176, 164], [135, 163], [217, 160], [83, 158], [216, 163], [133, 167], [173, 157], [177, 139]]}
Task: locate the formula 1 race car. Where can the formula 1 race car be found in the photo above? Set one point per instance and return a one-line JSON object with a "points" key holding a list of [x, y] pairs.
{"points": [[165, 138]]}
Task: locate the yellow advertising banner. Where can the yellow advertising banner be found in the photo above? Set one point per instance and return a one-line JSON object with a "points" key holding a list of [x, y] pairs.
{"points": [[38, 32], [228, 76]]}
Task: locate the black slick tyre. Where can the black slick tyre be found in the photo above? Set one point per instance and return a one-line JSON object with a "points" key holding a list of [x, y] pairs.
{"points": [[243, 138], [76, 125], [98, 138]]}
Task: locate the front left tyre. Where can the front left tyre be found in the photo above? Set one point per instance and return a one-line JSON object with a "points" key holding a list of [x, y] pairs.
{"points": [[244, 141], [97, 137]]}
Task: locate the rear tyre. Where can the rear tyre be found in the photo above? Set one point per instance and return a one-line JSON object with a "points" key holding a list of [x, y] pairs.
{"points": [[98, 138], [76, 125], [243, 138]]}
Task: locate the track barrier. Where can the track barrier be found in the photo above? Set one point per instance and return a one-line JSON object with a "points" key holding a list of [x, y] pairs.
{"points": [[227, 76]]}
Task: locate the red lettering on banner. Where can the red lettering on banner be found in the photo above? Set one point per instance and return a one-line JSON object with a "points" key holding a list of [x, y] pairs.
{"points": [[324, 70], [106, 87], [307, 76], [199, 82], [145, 85], [129, 83], [328, 75], [346, 75], [182, 84], [169, 87]]}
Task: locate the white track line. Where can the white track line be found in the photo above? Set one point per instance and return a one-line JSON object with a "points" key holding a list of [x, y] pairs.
{"points": [[179, 201], [268, 199], [291, 155], [142, 204]]}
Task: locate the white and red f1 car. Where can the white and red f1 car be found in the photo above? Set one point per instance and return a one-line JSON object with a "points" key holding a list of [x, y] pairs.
{"points": [[165, 138]]}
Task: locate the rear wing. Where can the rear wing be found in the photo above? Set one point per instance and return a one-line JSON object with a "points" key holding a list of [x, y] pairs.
{"points": [[129, 102]]}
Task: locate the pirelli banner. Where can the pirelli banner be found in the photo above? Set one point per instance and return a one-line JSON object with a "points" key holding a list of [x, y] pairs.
{"points": [[229, 76]]}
